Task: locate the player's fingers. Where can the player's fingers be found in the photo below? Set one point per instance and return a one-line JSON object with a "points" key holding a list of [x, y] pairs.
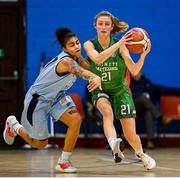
{"points": [[128, 43], [94, 86], [127, 34], [143, 50], [100, 87], [91, 86], [129, 39]]}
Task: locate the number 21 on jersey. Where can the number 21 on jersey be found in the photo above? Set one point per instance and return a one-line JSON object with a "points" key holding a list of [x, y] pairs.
{"points": [[125, 109], [106, 76]]}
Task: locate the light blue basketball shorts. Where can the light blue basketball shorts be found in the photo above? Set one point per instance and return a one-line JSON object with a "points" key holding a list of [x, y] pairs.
{"points": [[36, 113]]}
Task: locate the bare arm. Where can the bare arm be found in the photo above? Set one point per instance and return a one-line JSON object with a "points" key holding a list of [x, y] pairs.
{"points": [[134, 68], [99, 58], [71, 66], [83, 63]]}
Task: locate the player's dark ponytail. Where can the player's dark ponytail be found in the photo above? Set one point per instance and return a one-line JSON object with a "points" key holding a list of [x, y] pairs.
{"points": [[63, 34]]}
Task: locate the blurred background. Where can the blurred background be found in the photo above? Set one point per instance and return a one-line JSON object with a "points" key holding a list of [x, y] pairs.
{"points": [[27, 42]]}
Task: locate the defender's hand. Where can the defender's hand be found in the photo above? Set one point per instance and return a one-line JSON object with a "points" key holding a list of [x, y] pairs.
{"points": [[94, 83]]}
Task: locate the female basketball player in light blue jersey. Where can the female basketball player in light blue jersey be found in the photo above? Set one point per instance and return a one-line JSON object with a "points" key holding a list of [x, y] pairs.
{"points": [[47, 96], [110, 59]]}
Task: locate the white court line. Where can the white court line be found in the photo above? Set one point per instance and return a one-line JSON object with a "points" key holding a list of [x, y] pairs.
{"points": [[122, 162], [168, 168], [139, 164]]}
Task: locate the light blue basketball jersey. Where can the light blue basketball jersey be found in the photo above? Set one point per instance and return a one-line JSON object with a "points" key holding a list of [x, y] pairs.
{"points": [[49, 84], [47, 97]]}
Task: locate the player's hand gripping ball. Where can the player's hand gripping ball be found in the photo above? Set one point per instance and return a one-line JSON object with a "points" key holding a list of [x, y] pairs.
{"points": [[139, 41]]}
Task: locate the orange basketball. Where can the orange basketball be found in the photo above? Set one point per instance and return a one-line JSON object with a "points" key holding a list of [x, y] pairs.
{"points": [[140, 40]]}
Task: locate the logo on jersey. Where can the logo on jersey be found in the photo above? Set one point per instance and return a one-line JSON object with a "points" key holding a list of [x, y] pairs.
{"points": [[107, 66], [65, 100]]}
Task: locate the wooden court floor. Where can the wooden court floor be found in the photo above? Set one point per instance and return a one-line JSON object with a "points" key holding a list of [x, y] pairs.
{"points": [[90, 163]]}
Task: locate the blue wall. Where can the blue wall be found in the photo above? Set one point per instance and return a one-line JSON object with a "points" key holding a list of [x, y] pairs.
{"points": [[160, 18]]}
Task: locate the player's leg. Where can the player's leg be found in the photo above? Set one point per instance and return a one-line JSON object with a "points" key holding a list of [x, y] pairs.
{"points": [[65, 111], [33, 142], [116, 144], [33, 128], [73, 120], [13, 128], [129, 130], [127, 114]]}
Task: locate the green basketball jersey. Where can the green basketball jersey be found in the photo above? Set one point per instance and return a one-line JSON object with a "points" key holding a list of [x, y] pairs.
{"points": [[114, 84], [112, 71]]}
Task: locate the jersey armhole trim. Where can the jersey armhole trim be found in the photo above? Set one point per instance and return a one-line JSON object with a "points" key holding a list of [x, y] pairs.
{"points": [[63, 73]]}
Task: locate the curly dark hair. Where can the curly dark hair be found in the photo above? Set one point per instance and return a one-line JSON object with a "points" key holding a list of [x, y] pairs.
{"points": [[63, 34]]}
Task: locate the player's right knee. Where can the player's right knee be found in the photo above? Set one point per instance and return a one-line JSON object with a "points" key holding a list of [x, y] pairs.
{"points": [[107, 113]]}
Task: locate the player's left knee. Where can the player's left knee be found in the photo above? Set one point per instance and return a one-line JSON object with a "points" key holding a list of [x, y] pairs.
{"points": [[75, 122]]}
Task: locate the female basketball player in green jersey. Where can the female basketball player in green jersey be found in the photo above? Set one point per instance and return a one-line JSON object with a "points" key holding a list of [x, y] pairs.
{"points": [[110, 59]]}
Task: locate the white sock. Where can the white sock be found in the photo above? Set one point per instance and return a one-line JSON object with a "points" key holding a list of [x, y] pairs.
{"points": [[16, 127], [139, 152], [111, 142], [65, 156]]}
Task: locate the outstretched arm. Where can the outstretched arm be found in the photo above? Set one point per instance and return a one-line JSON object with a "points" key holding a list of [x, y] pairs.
{"points": [[71, 66], [83, 63]]}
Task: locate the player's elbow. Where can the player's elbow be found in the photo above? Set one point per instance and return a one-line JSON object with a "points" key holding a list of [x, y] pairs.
{"points": [[134, 72], [97, 61]]}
